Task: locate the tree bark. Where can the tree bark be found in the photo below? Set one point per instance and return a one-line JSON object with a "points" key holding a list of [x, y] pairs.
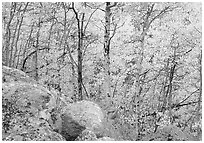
{"points": [[17, 38], [107, 78], [199, 113], [80, 45], [27, 44], [200, 88], [79, 49], [164, 86], [8, 34], [136, 99], [35, 58], [12, 44]]}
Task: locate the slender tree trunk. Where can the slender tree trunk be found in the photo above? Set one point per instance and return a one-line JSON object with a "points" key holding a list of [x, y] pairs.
{"points": [[27, 44], [16, 44], [138, 86], [35, 59], [12, 44], [169, 92], [137, 83], [80, 45], [163, 108], [200, 88], [17, 37], [36, 53], [107, 77], [73, 82], [8, 34], [18, 57], [199, 113], [79, 49], [18, 24], [167, 100]]}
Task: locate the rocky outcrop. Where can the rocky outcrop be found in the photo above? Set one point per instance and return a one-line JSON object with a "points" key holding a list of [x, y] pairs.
{"points": [[32, 129], [105, 139], [26, 108], [88, 135], [30, 112]]}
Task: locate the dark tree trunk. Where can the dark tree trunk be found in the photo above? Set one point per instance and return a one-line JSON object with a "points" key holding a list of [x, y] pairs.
{"points": [[36, 52], [107, 50], [79, 49]]}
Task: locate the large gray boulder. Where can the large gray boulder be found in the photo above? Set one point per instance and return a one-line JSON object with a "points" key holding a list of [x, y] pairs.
{"points": [[26, 109], [79, 116]]}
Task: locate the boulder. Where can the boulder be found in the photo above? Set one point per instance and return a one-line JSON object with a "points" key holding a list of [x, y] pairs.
{"points": [[28, 97], [11, 74], [87, 135], [80, 116], [32, 112], [32, 129], [105, 139], [26, 110]]}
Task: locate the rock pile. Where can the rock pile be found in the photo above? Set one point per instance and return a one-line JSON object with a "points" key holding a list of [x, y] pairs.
{"points": [[30, 112]]}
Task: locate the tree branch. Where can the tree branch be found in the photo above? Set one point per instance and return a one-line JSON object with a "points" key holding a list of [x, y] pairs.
{"points": [[114, 4], [185, 104], [24, 61], [89, 19], [187, 97], [96, 7]]}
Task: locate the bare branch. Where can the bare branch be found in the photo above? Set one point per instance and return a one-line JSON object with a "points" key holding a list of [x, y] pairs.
{"points": [[114, 4], [114, 31], [161, 13], [95, 7], [70, 55], [200, 32], [86, 46], [89, 19], [184, 104], [24, 61], [187, 97]]}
